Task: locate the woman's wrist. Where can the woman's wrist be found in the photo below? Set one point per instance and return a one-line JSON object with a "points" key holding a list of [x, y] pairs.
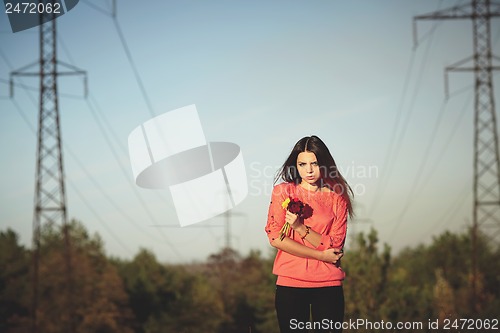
{"points": [[300, 228], [304, 235], [320, 255]]}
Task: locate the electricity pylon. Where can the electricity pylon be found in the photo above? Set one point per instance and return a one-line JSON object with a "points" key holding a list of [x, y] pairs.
{"points": [[50, 194], [486, 188]]}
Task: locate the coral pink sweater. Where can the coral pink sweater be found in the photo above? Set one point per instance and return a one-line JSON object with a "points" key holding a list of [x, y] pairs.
{"points": [[329, 218]]}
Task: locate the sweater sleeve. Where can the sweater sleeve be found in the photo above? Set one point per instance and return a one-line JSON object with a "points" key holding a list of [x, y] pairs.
{"points": [[336, 237], [276, 213]]}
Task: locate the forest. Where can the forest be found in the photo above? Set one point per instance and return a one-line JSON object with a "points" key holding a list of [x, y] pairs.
{"points": [[234, 293]]}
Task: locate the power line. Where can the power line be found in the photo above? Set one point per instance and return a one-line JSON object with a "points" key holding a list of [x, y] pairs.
{"points": [[419, 184], [137, 76], [13, 84], [96, 215], [418, 175], [75, 188], [147, 101], [97, 8], [389, 159], [380, 189], [127, 176], [453, 210], [133, 65], [392, 154], [411, 108], [94, 182], [447, 142], [90, 103], [107, 197]]}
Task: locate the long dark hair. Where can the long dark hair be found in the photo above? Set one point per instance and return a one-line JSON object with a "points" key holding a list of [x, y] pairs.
{"points": [[330, 174]]}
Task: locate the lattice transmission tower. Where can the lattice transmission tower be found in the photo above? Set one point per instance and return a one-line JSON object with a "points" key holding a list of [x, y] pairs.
{"points": [[486, 162], [50, 194]]}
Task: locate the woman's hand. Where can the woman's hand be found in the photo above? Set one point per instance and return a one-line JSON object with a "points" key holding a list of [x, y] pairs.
{"points": [[294, 221], [332, 255]]}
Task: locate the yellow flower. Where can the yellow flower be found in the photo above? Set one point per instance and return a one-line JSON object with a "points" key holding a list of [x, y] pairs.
{"points": [[285, 203]]}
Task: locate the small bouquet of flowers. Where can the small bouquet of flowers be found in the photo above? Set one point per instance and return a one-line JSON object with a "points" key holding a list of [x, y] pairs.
{"points": [[295, 206]]}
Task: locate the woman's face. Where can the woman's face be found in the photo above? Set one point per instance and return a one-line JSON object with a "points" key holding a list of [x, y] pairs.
{"points": [[308, 167]]}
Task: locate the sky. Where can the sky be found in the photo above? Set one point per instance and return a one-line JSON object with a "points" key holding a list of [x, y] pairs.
{"points": [[262, 74]]}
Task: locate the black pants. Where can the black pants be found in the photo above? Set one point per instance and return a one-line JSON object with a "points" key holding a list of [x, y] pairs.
{"points": [[296, 306]]}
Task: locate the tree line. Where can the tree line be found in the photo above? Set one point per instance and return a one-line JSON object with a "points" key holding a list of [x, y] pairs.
{"points": [[231, 292]]}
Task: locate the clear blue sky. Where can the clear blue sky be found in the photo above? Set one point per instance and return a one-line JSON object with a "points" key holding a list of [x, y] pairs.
{"points": [[262, 74]]}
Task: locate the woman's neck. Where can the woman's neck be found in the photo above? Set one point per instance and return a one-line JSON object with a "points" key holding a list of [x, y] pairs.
{"points": [[310, 187]]}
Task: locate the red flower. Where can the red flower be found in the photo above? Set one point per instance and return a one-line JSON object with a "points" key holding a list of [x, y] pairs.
{"points": [[307, 211], [295, 206]]}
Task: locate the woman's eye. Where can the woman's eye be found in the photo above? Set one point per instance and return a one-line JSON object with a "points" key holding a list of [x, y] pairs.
{"points": [[301, 164]]}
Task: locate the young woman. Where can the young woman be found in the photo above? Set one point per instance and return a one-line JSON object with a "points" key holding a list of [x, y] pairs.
{"points": [[309, 290]]}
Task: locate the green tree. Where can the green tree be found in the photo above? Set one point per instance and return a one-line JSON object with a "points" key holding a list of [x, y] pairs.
{"points": [[246, 287], [14, 281], [92, 299], [169, 298], [409, 296], [452, 254], [366, 278], [258, 286], [222, 270], [230, 293], [146, 283]]}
